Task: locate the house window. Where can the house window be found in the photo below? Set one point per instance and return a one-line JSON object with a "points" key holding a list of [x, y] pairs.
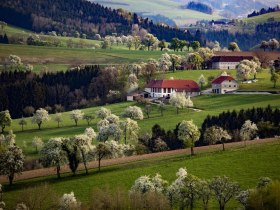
{"points": [[169, 90], [234, 86], [164, 90], [229, 85]]}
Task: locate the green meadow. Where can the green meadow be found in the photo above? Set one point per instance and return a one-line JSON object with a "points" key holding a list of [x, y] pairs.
{"points": [[244, 165], [207, 105]]}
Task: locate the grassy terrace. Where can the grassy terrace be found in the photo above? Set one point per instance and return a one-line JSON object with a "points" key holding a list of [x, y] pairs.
{"points": [[244, 165], [60, 58], [212, 105]]}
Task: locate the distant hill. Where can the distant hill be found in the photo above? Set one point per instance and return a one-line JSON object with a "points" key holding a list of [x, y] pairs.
{"points": [[77, 17], [235, 8], [199, 7], [265, 18], [169, 8]]}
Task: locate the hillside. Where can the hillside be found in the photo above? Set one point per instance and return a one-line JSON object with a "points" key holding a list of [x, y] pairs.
{"points": [[269, 17], [170, 9], [78, 17], [240, 164], [233, 8]]}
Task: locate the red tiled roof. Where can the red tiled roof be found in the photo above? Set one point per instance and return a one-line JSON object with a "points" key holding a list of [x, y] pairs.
{"points": [[179, 85], [230, 58], [220, 79]]}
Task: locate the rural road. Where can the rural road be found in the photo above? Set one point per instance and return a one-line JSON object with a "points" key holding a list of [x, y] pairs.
{"points": [[109, 162]]}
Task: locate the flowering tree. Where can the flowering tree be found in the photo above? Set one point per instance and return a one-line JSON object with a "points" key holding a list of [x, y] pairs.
{"points": [[41, 115], [216, 134], [83, 143], [11, 162], [175, 60], [37, 143], [5, 119], [76, 115], [195, 59], [68, 202], [233, 46], [58, 118], [52, 154], [247, 68], [223, 189], [189, 102], [201, 81], [206, 54], [175, 190], [103, 113], [189, 133], [165, 62], [22, 122], [88, 118], [8, 140], [178, 100], [101, 151], [145, 184], [248, 130], [133, 112], [130, 130]]}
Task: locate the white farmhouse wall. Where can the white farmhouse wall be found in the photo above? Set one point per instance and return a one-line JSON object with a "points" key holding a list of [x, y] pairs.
{"points": [[225, 86], [224, 65]]}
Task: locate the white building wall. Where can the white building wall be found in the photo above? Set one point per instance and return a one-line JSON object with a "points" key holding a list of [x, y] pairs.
{"points": [[155, 93], [224, 87], [224, 65]]}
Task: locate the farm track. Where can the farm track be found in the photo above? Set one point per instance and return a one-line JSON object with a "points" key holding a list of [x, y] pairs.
{"points": [[110, 162]]}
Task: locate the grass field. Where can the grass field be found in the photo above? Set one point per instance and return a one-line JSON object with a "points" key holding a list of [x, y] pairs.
{"points": [[211, 104], [170, 9], [244, 165], [59, 58], [263, 78], [263, 18]]}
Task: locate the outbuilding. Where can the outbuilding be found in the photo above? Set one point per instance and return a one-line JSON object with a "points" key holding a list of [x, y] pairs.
{"points": [[224, 84]]}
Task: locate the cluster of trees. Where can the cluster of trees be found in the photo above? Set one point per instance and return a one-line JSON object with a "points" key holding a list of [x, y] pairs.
{"points": [[245, 40], [4, 39], [264, 11], [275, 72], [86, 18], [198, 6], [187, 190], [23, 91], [246, 68], [266, 119], [271, 44]]}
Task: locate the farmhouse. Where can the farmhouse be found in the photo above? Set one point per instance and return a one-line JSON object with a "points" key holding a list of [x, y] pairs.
{"points": [[227, 62], [165, 88], [224, 84]]}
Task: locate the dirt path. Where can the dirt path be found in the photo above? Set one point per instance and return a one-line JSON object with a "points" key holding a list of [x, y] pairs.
{"points": [[94, 164]]}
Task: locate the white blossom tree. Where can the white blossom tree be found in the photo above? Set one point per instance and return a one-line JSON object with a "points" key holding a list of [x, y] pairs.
{"points": [[101, 151], [175, 61], [130, 130], [22, 122], [133, 112], [52, 154], [246, 68], [103, 113], [145, 184], [189, 133], [41, 115], [76, 115], [248, 130], [8, 140], [161, 107], [11, 162], [5, 119], [216, 134], [224, 189], [69, 202], [189, 102], [37, 143], [165, 62], [58, 118], [178, 100]]}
